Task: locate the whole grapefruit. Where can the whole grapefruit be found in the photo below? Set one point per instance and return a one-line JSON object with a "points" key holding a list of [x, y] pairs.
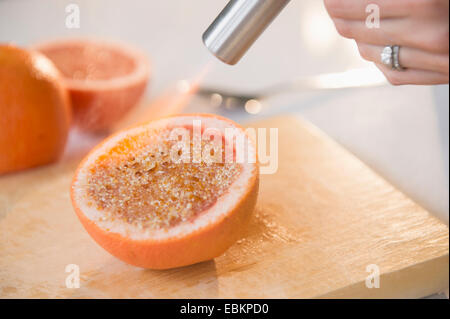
{"points": [[35, 110]]}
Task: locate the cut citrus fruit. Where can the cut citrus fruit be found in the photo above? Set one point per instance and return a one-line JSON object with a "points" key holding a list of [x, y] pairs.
{"points": [[169, 193], [34, 107], [105, 79]]}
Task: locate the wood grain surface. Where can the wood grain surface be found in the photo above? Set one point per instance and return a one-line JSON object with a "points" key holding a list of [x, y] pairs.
{"points": [[319, 222]]}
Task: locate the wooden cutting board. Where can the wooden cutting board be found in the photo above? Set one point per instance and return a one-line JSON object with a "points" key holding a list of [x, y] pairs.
{"points": [[320, 221]]}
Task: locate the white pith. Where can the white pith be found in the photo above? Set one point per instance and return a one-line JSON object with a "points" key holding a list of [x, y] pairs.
{"points": [[139, 74], [223, 205]]}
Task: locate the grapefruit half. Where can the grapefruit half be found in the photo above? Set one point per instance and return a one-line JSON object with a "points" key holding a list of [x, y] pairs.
{"points": [[168, 193], [105, 79]]}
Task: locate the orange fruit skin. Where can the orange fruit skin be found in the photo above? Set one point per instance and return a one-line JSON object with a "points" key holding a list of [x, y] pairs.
{"points": [[35, 110], [200, 245]]}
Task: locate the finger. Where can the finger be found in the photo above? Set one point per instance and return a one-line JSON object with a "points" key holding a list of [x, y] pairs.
{"points": [[389, 33], [408, 57], [411, 76], [360, 9], [395, 32]]}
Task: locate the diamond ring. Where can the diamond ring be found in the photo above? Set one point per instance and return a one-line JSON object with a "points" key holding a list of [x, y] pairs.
{"points": [[387, 56]]}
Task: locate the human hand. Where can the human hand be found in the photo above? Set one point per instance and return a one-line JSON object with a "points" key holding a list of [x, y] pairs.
{"points": [[419, 27]]}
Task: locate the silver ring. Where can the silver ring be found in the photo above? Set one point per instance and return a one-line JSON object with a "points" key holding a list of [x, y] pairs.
{"points": [[396, 58], [387, 56]]}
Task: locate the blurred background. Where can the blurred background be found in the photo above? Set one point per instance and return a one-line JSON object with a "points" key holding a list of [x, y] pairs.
{"points": [[401, 132]]}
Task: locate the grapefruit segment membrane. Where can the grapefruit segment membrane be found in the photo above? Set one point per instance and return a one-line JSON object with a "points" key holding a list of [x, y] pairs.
{"points": [[168, 193]]}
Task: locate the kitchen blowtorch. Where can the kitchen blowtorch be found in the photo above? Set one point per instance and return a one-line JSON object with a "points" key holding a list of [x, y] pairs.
{"points": [[238, 26]]}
